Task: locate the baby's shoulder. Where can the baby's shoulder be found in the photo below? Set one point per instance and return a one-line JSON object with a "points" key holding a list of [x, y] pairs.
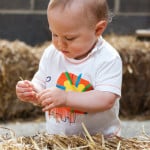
{"points": [[50, 52], [107, 52]]}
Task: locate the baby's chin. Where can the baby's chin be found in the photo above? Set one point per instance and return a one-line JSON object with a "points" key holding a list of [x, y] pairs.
{"points": [[68, 55]]}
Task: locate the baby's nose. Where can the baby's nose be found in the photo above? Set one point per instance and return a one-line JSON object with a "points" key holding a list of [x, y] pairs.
{"points": [[61, 44]]}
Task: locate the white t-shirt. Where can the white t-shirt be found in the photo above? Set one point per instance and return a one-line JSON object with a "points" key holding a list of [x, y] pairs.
{"points": [[100, 70]]}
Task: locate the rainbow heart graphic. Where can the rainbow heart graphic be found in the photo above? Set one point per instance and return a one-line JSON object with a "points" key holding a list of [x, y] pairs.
{"points": [[70, 82]]}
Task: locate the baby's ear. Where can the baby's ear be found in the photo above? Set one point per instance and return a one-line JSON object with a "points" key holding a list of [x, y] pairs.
{"points": [[100, 27]]}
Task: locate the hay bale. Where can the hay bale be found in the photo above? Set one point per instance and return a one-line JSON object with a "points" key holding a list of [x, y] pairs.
{"points": [[136, 74], [16, 59], [45, 141]]}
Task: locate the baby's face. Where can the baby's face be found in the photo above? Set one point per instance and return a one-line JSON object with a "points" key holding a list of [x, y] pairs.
{"points": [[71, 33]]}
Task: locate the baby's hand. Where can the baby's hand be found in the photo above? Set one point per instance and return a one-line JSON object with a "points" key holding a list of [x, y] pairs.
{"points": [[51, 98], [26, 91]]}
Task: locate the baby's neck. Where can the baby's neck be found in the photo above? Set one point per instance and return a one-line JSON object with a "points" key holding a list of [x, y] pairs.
{"points": [[86, 54]]}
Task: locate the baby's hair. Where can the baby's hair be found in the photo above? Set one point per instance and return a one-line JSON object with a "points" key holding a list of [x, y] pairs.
{"points": [[95, 10]]}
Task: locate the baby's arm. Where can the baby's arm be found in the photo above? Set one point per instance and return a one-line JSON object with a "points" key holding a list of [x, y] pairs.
{"points": [[91, 101], [26, 91]]}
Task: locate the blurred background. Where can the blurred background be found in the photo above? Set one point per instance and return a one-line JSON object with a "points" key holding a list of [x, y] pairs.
{"points": [[26, 20]]}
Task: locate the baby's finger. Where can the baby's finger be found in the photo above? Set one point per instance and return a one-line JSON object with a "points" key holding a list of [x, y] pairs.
{"points": [[48, 107], [22, 84], [23, 89], [43, 92], [25, 95], [46, 102], [43, 96], [28, 83]]}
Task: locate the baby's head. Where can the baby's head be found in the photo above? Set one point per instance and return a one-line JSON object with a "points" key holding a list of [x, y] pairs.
{"points": [[92, 11], [76, 25]]}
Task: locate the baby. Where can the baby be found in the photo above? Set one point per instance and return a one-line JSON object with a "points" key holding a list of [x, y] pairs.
{"points": [[80, 74]]}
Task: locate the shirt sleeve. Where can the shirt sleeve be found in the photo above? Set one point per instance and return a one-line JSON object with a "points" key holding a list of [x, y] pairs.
{"points": [[109, 76], [39, 79]]}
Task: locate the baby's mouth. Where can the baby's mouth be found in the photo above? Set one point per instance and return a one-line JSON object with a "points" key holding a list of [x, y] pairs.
{"points": [[64, 52]]}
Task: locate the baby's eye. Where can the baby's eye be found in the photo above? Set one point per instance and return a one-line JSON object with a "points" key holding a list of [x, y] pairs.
{"points": [[54, 35], [69, 38]]}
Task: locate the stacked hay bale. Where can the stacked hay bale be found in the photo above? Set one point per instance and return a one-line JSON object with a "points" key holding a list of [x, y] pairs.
{"points": [[135, 54], [16, 59]]}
